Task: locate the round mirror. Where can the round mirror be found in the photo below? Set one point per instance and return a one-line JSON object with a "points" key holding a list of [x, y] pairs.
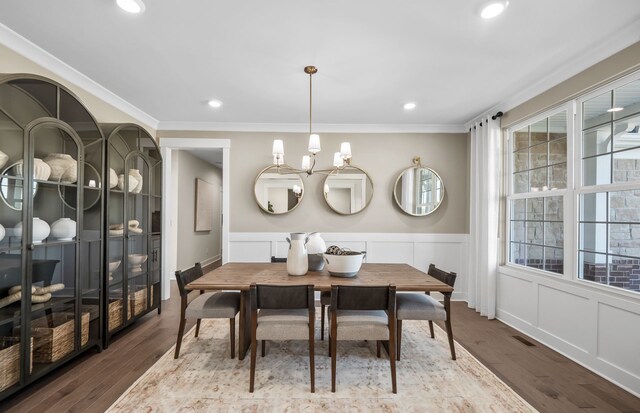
{"points": [[418, 191], [92, 189], [11, 186], [348, 191], [276, 193]]}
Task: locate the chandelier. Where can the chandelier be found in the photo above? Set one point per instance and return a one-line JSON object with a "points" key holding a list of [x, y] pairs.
{"points": [[340, 159]]}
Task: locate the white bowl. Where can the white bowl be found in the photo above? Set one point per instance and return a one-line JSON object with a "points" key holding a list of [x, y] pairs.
{"points": [[136, 261], [344, 265], [113, 266]]}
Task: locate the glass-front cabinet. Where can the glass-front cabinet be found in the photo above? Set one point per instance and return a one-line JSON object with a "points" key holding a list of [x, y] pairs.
{"points": [[133, 207], [51, 229]]}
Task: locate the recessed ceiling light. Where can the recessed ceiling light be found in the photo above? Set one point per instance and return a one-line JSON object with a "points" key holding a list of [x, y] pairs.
{"points": [[493, 9], [618, 109], [131, 6], [410, 106], [215, 103]]}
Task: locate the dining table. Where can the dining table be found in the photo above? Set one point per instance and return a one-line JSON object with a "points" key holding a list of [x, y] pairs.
{"points": [[240, 276]]}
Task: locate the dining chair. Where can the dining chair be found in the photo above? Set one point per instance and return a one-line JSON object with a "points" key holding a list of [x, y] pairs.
{"points": [[205, 305], [415, 306], [363, 313], [282, 312]]}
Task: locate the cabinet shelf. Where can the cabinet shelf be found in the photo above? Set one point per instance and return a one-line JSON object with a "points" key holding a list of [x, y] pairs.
{"points": [[11, 314]]}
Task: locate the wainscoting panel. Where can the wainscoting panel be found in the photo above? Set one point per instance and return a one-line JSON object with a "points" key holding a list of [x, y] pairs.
{"points": [[619, 338], [594, 326], [448, 251]]}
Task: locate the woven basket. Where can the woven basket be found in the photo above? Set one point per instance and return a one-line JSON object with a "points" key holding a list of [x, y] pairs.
{"points": [[10, 361], [53, 336], [137, 303], [115, 314]]}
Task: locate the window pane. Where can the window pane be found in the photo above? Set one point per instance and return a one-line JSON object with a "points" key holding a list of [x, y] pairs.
{"points": [[626, 165], [518, 253], [521, 182], [596, 141], [624, 239], [558, 176], [553, 208], [623, 273], [593, 237], [625, 134], [553, 234], [518, 209], [538, 179], [535, 209], [558, 126], [521, 139], [627, 97], [554, 260], [517, 231], [596, 171], [538, 156], [592, 267], [558, 151], [594, 111], [534, 233], [624, 206], [539, 132], [534, 256], [593, 207], [521, 160]]}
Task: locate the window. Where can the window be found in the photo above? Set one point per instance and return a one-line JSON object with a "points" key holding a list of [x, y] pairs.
{"points": [[609, 194], [601, 206], [538, 163]]}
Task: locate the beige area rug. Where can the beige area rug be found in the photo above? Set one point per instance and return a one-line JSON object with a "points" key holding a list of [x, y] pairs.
{"points": [[205, 379]]}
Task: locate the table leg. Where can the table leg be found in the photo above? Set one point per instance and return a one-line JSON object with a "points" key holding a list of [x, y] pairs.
{"points": [[244, 335]]}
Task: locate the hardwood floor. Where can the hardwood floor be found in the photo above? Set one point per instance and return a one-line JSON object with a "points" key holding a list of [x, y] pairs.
{"points": [[546, 379]]}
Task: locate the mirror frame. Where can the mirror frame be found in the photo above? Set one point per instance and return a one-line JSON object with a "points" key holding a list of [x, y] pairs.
{"points": [[4, 175], [324, 183], [255, 196], [418, 166]]}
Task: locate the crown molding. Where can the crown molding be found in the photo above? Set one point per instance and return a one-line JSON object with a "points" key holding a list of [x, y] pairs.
{"points": [[36, 54], [574, 64], [303, 127]]}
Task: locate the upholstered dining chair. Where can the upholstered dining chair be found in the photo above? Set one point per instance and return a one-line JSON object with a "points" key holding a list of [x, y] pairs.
{"points": [[417, 306], [205, 305], [363, 313], [282, 312]]}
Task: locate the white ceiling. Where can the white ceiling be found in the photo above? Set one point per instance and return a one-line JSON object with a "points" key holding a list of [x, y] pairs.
{"points": [[372, 56]]}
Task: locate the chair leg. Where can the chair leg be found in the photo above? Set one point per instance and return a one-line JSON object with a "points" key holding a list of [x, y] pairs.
{"points": [[322, 323], [392, 360], [252, 373], [183, 321], [264, 347], [399, 339], [232, 336], [312, 362], [431, 329], [333, 346], [450, 337], [198, 327], [378, 345]]}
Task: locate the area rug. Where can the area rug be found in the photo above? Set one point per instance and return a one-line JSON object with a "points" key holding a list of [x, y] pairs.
{"points": [[205, 379]]}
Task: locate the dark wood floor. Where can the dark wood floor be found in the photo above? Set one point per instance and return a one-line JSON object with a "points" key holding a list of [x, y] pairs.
{"points": [[547, 380]]}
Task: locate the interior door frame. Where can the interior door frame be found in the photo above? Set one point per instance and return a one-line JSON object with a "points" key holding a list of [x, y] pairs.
{"points": [[170, 212]]}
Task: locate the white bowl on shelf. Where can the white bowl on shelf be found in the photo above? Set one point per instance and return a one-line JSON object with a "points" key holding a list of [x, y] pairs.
{"points": [[136, 261], [113, 265]]}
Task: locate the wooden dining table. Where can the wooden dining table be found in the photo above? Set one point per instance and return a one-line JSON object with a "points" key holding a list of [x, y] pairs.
{"points": [[240, 276]]}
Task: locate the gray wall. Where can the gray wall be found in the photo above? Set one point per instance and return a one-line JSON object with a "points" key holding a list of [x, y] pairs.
{"points": [[383, 156], [201, 246]]}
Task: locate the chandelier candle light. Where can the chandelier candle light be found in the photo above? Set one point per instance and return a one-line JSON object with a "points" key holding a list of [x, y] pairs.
{"points": [[340, 159]]}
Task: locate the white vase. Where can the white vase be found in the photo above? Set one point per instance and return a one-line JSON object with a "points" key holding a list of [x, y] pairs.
{"points": [[113, 178], [297, 262], [136, 174], [315, 248], [63, 167], [3, 159], [133, 182], [64, 229], [41, 170], [40, 230], [2, 232]]}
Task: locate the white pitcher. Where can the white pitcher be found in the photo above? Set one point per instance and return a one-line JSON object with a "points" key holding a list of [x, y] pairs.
{"points": [[297, 263], [315, 250]]}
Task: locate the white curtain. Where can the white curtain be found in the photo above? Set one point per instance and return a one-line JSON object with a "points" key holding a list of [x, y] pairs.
{"points": [[484, 211]]}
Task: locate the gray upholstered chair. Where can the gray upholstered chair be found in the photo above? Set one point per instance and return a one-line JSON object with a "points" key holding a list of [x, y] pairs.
{"points": [[415, 306], [205, 305], [282, 312], [363, 313]]}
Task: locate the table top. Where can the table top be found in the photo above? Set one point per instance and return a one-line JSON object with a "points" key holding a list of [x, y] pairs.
{"points": [[239, 276]]}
